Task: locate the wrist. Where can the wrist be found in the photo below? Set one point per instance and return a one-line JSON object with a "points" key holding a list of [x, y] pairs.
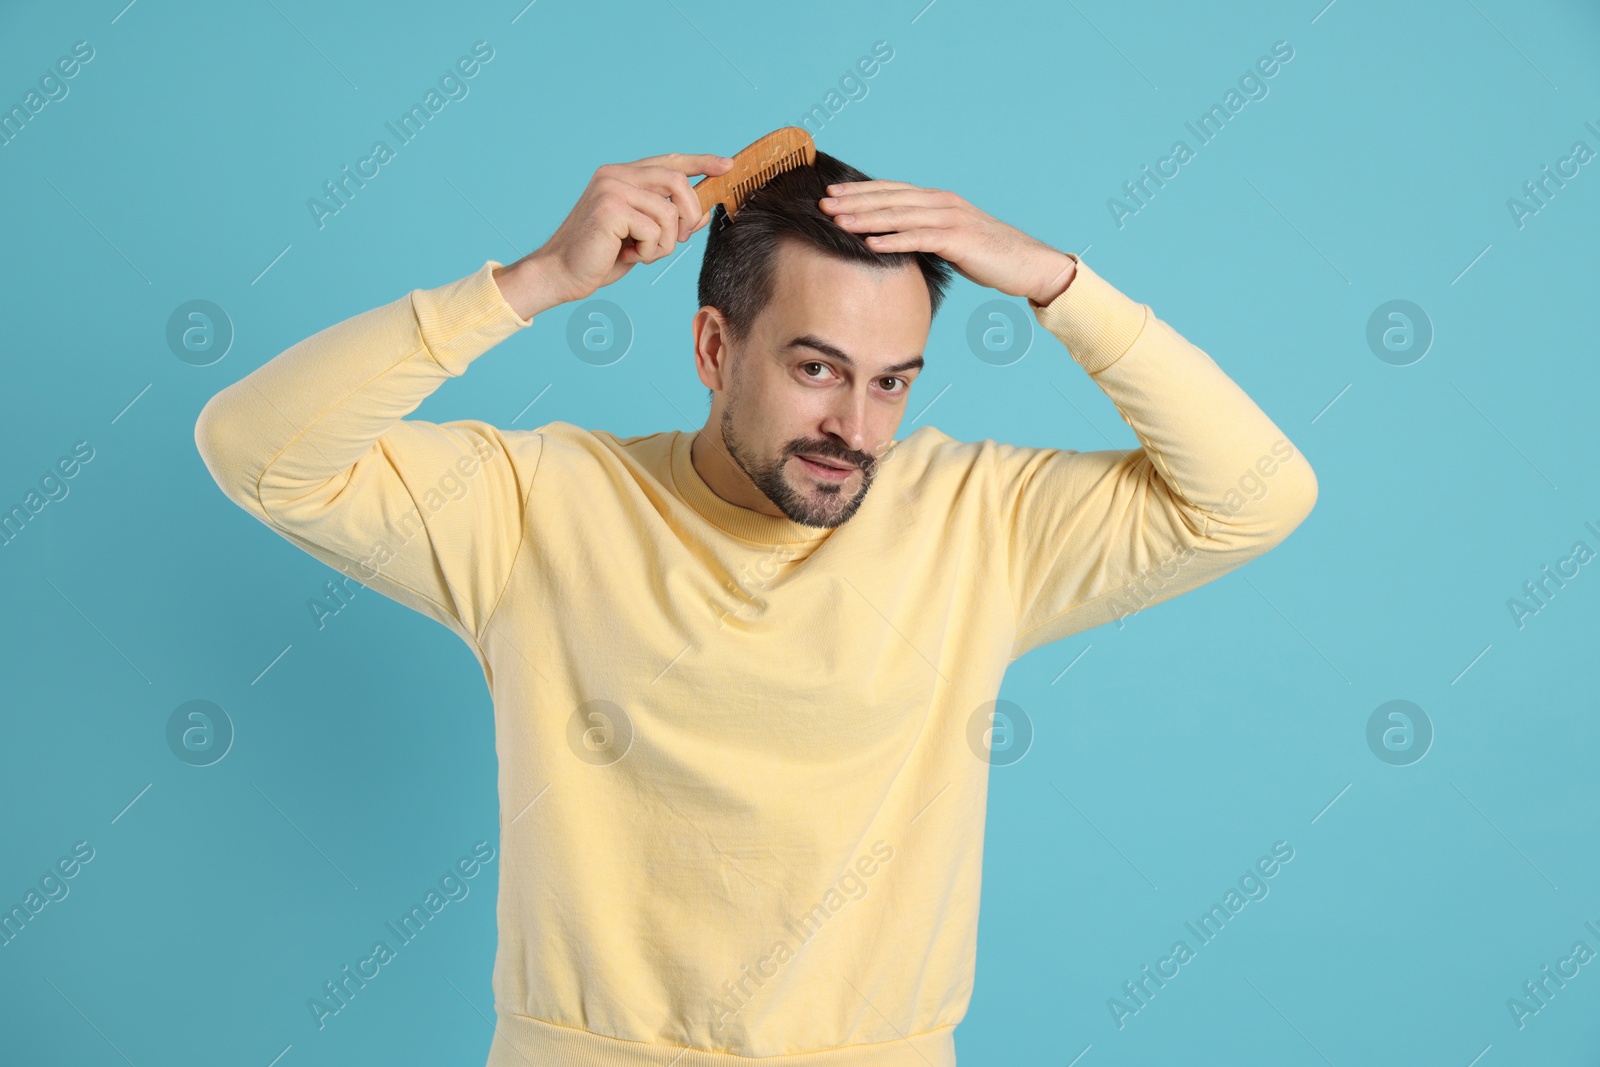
{"points": [[526, 286], [1064, 269]]}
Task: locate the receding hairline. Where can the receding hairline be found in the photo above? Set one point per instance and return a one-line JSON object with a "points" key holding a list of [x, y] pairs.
{"points": [[801, 244]]}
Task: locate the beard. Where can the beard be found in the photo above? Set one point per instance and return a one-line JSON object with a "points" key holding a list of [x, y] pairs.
{"points": [[823, 504]]}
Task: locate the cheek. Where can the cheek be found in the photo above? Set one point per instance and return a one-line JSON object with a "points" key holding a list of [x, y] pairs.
{"points": [[778, 411], [764, 425], [760, 389]]}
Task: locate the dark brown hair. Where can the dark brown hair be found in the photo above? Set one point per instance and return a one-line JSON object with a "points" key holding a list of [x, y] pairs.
{"points": [[736, 274]]}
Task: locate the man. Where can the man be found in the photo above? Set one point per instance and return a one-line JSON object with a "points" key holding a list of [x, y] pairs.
{"points": [[737, 673]]}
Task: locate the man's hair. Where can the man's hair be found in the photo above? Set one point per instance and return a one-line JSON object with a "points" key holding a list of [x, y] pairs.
{"points": [[737, 273]]}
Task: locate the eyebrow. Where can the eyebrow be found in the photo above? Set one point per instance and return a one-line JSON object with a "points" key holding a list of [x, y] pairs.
{"points": [[807, 340]]}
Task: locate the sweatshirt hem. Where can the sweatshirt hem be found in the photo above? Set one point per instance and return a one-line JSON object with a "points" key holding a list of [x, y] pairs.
{"points": [[521, 1039]]}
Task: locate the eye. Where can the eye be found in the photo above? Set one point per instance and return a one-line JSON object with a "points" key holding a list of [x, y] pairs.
{"points": [[903, 383], [811, 363]]}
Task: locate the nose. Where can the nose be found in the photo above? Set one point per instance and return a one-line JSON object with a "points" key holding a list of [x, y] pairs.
{"points": [[847, 421]]}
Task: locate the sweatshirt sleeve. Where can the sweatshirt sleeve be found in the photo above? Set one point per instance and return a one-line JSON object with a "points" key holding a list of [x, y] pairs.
{"points": [[315, 444], [1096, 536]]}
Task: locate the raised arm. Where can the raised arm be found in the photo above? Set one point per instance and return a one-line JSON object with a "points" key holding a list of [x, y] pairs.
{"points": [[1095, 536], [316, 444], [1214, 483]]}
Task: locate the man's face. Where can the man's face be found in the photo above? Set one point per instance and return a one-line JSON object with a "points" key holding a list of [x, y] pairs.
{"points": [[809, 404]]}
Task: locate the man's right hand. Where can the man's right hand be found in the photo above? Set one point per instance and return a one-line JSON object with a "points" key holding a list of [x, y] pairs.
{"points": [[629, 213]]}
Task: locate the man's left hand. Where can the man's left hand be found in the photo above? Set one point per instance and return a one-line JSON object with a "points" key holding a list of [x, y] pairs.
{"points": [[979, 246]]}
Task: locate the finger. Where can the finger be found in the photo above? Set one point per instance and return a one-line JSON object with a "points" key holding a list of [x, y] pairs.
{"points": [[921, 240], [868, 186], [674, 184], [633, 224], [897, 217], [857, 202], [657, 238], [688, 163]]}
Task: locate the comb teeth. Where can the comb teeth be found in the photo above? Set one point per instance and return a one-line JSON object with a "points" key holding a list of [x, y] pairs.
{"points": [[766, 174], [743, 189], [756, 164]]}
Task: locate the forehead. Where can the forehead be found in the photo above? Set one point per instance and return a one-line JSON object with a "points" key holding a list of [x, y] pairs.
{"points": [[878, 316]]}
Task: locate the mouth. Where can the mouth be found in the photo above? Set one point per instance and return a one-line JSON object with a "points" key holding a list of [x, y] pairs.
{"points": [[831, 469]]}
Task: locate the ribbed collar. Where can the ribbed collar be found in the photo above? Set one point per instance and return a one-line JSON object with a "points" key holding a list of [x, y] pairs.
{"points": [[731, 518]]}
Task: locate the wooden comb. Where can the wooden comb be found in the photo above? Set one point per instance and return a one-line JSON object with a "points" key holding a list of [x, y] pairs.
{"points": [[781, 150]]}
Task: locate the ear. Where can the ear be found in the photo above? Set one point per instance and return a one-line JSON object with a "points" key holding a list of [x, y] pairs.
{"points": [[712, 357]]}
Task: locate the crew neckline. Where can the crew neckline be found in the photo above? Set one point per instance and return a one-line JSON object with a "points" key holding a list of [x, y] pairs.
{"points": [[731, 518]]}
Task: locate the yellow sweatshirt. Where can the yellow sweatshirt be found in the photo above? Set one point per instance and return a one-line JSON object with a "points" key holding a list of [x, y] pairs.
{"points": [[742, 762]]}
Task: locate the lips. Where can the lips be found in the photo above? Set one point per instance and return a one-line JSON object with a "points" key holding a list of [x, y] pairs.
{"points": [[831, 463]]}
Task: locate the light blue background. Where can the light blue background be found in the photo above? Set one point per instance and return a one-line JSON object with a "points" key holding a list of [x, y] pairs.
{"points": [[1176, 750]]}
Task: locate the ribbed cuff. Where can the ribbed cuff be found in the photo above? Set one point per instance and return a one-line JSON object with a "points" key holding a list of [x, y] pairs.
{"points": [[1094, 319], [464, 319]]}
